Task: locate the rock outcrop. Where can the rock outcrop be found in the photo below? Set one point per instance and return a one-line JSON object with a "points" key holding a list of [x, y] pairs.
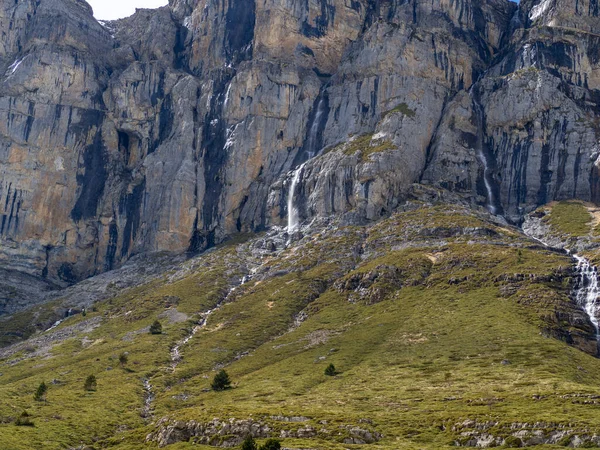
{"points": [[177, 127], [533, 114]]}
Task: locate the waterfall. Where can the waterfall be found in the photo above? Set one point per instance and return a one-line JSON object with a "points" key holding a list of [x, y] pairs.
{"points": [[586, 290], [312, 142], [293, 213], [311, 149], [491, 203]]}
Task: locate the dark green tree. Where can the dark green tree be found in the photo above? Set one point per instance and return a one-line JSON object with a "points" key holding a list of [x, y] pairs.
{"points": [[330, 371], [24, 420], [123, 359], [40, 393], [271, 444], [221, 381], [249, 444], [156, 328], [90, 383]]}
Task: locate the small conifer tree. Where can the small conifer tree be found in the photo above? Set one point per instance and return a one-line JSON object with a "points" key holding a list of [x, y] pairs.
{"points": [[90, 383], [330, 371], [123, 359], [249, 444], [221, 381], [40, 393], [271, 444], [24, 420], [156, 328]]}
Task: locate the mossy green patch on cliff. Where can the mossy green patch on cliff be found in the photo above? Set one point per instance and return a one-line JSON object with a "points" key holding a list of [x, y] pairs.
{"points": [[433, 318], [403, 109], [366, 145]]}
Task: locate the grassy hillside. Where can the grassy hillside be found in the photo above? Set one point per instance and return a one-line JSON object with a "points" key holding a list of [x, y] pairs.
{"points": [[444, 328]]}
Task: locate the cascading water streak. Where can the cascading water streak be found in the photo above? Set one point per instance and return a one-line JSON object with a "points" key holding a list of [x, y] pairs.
{"points": [[311, 149], [293, 214], [313, 134], [487, 175], [587, 290], [587, 287]]}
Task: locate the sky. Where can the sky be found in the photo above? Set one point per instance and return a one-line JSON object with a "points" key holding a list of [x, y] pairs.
{"points": [[116, 9]]}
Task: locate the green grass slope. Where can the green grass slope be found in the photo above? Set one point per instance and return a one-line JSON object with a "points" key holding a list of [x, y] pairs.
{"points": [[445, 330]]}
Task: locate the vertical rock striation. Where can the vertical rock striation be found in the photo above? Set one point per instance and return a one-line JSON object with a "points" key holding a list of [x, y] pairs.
{"points": [[176, 127]]}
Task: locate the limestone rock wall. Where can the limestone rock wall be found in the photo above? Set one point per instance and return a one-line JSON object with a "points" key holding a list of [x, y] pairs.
{"points": [[177, 127]]}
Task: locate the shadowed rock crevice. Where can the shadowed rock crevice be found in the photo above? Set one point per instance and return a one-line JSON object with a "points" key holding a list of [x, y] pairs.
{"points": [[209, 105]]}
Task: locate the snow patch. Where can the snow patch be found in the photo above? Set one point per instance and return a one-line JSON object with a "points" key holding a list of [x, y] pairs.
{"points": [[59, 164], [539, 9], [231, 137], [227, 94], [15, 65]]}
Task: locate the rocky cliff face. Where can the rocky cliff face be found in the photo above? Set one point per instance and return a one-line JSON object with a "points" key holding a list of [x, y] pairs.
{"points": [[533, 115], [176, 127]]}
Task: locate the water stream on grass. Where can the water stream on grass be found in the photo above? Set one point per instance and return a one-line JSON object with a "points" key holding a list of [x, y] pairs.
{"points": [[176, 356], [148, 399]]}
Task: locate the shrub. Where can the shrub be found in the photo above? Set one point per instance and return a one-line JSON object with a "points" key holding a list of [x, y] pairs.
{"points": [[90, 383], [330, 371], [123, 359], [40, 393], [249, 444], [513, 442], [271, 444], [156, 328], [24, 420], [221, 381]]}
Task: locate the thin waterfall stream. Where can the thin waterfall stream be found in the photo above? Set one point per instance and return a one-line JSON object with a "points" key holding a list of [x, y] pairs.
{"points": [[293, 213], [311, 149], [483, 158], [587, 288]]}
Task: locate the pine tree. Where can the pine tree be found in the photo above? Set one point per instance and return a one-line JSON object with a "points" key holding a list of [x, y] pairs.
{"points": [[221, 381], [24, 420], [330, 371], [271, 444], [90, 383], [156, 328], [40, 393], [123, 359], [249, 444]]}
